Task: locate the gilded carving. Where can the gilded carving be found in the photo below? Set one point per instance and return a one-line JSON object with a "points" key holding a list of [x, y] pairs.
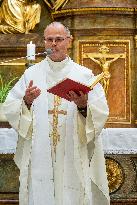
{"points": [[102, 59], [115, 174], [19, 16], [90, 10], [119, 89], [55, 5], [136, 40]]}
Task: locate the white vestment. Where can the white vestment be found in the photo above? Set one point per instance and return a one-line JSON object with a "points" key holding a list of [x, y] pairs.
{"points": [[76, 175]]}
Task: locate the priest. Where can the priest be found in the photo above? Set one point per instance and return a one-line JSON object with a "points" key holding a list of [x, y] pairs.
{"points": [[59, 150]]}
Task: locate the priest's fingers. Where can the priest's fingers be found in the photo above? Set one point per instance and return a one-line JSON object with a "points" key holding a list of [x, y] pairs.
{"points": [[73, 95], [30, 89], [31, 96], [30, 84], [69, 98], [34, 92], [37, 93], [81, 101], [82, 95]]}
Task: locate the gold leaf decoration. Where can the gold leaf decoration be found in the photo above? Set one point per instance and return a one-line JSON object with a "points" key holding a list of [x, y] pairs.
{"points": [[115, 174]]}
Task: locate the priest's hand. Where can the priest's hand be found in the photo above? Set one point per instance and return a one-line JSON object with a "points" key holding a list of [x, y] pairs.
{"points": [[79, 99], [31, 93]]}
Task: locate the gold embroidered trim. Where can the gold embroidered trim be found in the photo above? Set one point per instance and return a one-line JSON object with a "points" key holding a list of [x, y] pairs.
{"points": [[55, 134]]}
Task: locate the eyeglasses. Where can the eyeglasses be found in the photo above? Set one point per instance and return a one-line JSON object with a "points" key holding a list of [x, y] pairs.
{"points": [[56, 40]]}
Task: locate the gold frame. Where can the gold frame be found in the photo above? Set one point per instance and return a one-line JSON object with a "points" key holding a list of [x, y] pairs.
{"points": [[112, 120]]}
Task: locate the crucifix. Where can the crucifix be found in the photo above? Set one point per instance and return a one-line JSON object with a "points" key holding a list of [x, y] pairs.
{"points": [[104, 59], [55, 134]]}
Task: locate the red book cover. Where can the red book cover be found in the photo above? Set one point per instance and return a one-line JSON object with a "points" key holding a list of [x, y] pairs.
{"points": [[62, 88]]}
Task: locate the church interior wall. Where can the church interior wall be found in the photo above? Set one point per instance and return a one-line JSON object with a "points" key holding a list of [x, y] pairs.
{"points": [[93, 24]]}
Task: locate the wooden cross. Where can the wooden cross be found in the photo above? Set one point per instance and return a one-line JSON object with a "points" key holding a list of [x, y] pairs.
{"points": [[55, 135]]}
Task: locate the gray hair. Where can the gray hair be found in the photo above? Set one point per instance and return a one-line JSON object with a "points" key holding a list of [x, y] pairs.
{"points": [[60, 24]]}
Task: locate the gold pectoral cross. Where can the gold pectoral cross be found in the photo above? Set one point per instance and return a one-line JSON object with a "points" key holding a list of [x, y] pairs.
{"points": [[55, 134]]}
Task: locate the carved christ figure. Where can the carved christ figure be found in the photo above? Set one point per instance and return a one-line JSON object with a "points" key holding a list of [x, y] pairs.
{"points": [[105, 64], [19, 16]]}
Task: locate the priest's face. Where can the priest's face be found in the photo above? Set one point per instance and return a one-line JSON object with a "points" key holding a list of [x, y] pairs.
{"points": [[57, 39]]}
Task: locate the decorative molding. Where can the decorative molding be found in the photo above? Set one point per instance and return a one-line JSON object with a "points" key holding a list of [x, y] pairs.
{"points": [[136, 122], [135, 41], [9, 202], [80, 32], [124, 201], [68, 12]]}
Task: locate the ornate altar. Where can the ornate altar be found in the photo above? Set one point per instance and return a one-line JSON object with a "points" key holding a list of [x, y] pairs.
{"points": [[105, 39]]}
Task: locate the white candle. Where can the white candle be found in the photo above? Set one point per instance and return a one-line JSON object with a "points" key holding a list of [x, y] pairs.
{"points": [[31, 51]]}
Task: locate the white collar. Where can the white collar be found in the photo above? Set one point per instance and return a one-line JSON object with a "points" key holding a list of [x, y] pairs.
{"points": [[57, 66]]}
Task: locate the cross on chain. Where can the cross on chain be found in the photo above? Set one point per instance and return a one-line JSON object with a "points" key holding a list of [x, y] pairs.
{"points": [[55, 134]]}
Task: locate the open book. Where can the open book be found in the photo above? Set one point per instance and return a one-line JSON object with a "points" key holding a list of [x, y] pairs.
{"points": [[63, 87]]}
